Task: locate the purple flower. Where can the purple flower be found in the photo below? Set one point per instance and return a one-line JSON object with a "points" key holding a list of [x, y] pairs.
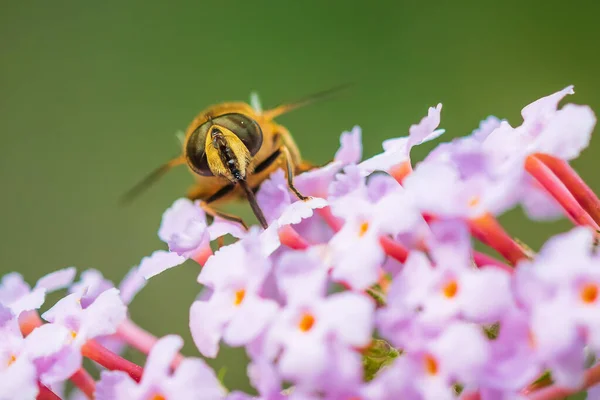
{"points": [[356, 254], [235, 311], [424, 298], [310, 326], [17, 295], [563, 280], [184, 228], [192, 379], [71, 326]]}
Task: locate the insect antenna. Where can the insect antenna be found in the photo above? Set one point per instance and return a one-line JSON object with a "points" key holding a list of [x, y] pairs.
{"points": [[149, 180], [285, 108], [254, 204]]}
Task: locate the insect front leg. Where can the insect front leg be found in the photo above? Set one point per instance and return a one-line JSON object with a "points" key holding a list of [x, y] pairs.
{"points": [[198, 192], [213, 212], [286, 159]]}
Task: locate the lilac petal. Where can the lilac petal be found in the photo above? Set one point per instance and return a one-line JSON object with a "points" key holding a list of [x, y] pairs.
{"points": [[19, 381], [221, 227], [350, 151], [158, 364], [435, 198], [6, 316], [90, 285], [300, 210], [31, 301], [158, 262], [474, 353], [46, 340], [65, 312], [131, 285], [425, 131], [538, 204], [193, 379], [545, 105], [304, 358], [206, 326], [274, 195], [486, 127], [396, 153], [301, 276], [60, 366], [104, 315], [12, 287], [249, 321], [269, 240], [379, 185], [115, 385], [351, 317], [486, 294], [358, 268], [176, 218], [568, 132], [57, 280], [396, 213], [316, 181], [265, 378]]}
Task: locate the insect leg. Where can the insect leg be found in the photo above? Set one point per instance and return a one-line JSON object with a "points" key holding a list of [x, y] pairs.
{"points": [[213, 212], [289, 168], [198, 193]]}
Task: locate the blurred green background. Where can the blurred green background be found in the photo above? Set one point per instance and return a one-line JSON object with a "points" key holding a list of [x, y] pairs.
{"points": [[92, 94]]}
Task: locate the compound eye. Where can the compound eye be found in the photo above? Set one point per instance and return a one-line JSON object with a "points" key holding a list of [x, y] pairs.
{"points": [[195, 150], [246, 129]]}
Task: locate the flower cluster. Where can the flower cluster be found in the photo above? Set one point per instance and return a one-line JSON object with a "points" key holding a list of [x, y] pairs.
{"points": [[371, 289]]}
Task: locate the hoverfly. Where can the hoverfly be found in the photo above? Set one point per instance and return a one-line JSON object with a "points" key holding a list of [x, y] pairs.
{"points": [[232, 148]]}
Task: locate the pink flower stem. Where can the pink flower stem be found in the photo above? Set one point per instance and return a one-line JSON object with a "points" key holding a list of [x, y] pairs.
{"points": [[555, 187], [484, 261], [84, 381], [291, 238], [141, 339], [393, 249], [489, 231], [584, 195], [109, 360], [554, 392], [46, 394]]}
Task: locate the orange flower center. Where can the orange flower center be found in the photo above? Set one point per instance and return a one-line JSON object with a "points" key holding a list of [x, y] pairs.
{"points": [[306, 322], [589, 293], [11, 359], [73, 334], [364, 227], [450, 289], [239, 297], [158, 397], [431, 365], [473, 201]]}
